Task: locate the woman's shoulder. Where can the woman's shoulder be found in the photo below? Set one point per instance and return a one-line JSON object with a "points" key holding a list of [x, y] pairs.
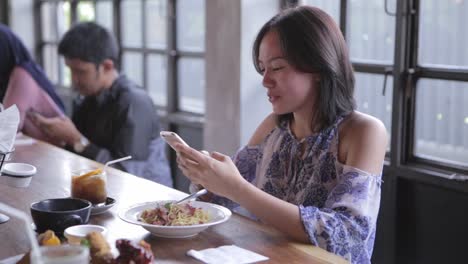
{"points": [[262, 131], [363, 141], [357, 123]]}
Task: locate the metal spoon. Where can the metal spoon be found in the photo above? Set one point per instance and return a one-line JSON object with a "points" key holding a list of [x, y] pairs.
{"points": [[193, 195]]}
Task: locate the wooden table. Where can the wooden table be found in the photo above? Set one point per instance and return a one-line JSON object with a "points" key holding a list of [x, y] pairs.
{"points": [[54, 166]]}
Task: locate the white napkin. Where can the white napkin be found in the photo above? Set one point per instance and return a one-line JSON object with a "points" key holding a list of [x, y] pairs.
{"points": [[226, 254], [9, 121]]}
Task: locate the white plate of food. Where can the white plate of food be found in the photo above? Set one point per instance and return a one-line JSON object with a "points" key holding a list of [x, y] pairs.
{"points": [[193, 217]]}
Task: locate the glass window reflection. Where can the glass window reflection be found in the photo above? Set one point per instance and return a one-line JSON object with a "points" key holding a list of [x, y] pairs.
{"points": [[132, 63], [369, 97], [131, 23], [86, 11], [371, 31], [443, 29], [156, 24], [191, 25], [191, 80], [50, 55], [104, 15], [157, 79], [332, 7], [441, 125]]}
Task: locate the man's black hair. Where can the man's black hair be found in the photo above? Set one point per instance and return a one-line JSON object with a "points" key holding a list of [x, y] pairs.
{"points": [[89, 42]]}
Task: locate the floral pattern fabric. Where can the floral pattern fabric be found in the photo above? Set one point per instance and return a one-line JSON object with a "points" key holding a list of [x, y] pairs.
{"points": [[338, 203]]}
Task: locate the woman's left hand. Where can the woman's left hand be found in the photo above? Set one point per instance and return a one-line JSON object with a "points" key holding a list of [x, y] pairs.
{"points": [[216, 172]]}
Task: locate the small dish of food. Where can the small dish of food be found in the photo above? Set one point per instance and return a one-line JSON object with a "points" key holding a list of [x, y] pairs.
{"points": [[166, 219], [75, 234]]}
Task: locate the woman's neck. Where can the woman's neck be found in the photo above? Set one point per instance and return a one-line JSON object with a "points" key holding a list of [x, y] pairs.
{"points": [[301, 126]]}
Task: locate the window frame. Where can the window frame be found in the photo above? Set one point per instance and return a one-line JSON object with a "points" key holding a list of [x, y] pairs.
{"points": [[170, 114], [406, 72]]}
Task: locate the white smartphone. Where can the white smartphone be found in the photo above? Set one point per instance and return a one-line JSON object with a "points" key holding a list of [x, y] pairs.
{"points": [[172, 138]]}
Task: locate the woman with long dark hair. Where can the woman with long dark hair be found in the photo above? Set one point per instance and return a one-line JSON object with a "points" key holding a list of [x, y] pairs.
{"points": [[313, 168]]}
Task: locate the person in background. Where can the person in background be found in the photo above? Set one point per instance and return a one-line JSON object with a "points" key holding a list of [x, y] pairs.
{"points": [[113, 117], [313, 168], [24, 83]]}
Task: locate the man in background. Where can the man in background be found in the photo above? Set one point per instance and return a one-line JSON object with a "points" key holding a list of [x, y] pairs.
{"points": [[113, 117]]}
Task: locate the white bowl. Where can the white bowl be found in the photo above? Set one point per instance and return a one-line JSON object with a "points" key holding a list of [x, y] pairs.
{"points": [[19, 169], [17, 174], [217, 214], [75, 234]]}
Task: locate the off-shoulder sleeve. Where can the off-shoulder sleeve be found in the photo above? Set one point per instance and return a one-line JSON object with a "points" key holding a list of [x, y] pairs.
{"points": [[246, 162], [346, 224]]}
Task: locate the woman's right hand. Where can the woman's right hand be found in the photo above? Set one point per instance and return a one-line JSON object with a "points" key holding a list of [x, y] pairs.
{"points": [[216, 172]]}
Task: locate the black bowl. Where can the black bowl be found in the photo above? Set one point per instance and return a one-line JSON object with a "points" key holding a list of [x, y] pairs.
{"points": [[58, 214]]}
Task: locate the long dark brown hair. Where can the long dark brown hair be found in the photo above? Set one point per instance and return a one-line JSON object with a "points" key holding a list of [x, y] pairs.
{"points": [[312, 42]]}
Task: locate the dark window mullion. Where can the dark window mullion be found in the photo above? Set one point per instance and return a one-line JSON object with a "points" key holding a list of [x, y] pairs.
{"points": [[192, 54], [444, 74], [117, 19], [343, 16], [94, 2], [397, 141], [372, 68], [412, 59], [73, 12], [57, 33], [38, 32], [438, 164]]}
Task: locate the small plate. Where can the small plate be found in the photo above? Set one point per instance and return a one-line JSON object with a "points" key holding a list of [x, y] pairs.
{"points": [[99, 209], [19, 169]]}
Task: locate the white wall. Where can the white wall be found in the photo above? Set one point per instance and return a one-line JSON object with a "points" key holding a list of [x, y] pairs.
{"points": [[254, 105]]}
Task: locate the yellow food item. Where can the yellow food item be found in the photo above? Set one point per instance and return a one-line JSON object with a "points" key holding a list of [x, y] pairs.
{"points": [[48, 238], [91, 173], [100, 250]]}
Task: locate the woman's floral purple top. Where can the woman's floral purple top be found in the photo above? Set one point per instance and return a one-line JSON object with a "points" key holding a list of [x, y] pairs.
{"points": [[338, 203]]}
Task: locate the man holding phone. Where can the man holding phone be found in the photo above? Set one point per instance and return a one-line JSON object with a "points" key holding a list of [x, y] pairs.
{"points": [[113, 117]]}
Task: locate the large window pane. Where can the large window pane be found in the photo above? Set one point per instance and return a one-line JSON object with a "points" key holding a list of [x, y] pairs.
{"points": [[63, 18], [191, 79], [370, 31], [332, 7], [132, 63], [104, 15], [191, 25], [65, 73], [50, 56], [157, 79], [442, 120], [369, 98], [48, 23], [85, 11], [156, 17], [131, 23], [443, 28]]}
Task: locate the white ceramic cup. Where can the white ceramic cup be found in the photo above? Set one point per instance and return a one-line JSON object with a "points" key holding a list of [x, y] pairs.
{"points": [[75, 234], [17, 174]]}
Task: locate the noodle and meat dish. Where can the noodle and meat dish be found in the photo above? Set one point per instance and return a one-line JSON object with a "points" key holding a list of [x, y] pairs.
{"points": [[174, 215]]}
